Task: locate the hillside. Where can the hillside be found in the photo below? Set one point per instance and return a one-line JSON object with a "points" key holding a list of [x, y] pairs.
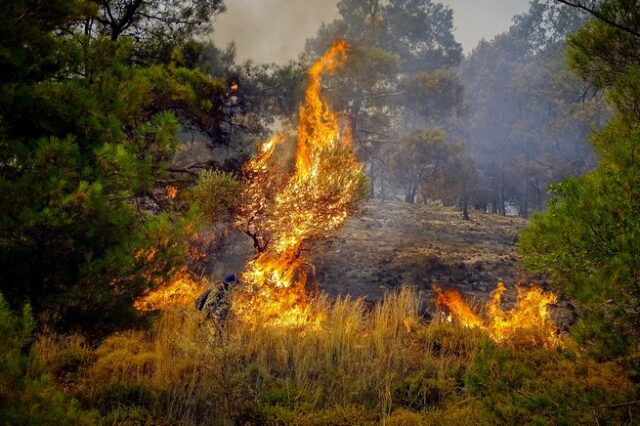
{"points": [[388, 244]]}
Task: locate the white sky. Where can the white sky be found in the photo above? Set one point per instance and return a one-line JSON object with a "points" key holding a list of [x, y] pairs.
{"points": [[276, 30]]}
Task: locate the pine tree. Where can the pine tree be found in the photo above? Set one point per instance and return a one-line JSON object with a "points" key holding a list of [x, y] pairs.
{"points": [[85, 132], [589, 240]]}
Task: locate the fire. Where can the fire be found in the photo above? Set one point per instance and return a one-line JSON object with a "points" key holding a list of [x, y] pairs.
{"points": [[182, 289], [171, 192], [452, 300], [281, 214], [528, 324]]}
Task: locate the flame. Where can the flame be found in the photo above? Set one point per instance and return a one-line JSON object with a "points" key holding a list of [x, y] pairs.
{"points": [[452, 300], [182, 289], [528, 324], [283, 214], [171, 192]]}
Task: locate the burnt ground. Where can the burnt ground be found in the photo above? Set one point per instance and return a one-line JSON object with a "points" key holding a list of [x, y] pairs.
{"points": [[389, 244]]}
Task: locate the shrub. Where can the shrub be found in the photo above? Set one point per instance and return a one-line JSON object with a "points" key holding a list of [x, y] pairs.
{"points": [[550, 387], [215, 195], [27, 395]]}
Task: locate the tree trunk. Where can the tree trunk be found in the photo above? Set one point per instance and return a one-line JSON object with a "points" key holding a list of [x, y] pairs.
{"points": [[410, 195], [501, 209], [524, 208], [372, 179], [539, 198]]}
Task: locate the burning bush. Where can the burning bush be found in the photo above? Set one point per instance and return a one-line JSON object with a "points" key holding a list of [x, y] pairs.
{"points": [[281, 214]]}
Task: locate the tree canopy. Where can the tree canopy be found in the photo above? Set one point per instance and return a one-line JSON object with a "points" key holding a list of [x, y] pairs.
{"points": [[86, 134], [588, 239]]}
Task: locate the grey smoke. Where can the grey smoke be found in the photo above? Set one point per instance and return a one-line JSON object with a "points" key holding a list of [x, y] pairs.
{"points": [[276, 30]]}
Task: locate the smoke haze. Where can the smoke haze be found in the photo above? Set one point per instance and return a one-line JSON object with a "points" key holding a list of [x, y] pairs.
{"points": [[276, 30]]}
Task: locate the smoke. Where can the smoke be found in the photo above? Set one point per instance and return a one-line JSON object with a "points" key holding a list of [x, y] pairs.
{"points": [[478, 19], [276, 30], [271, 30]]}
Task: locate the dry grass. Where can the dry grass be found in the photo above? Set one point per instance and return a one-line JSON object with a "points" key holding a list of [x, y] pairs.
{"points": [[361, 366]]}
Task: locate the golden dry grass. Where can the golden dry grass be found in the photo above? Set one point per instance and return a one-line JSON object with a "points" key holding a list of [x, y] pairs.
{"points": [[360, 366]]}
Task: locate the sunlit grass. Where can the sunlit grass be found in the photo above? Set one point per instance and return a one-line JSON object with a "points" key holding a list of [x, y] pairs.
{"points": [[361, 365]]}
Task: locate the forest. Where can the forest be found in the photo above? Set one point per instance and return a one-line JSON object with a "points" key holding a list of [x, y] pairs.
{"points": [[384, 229]]}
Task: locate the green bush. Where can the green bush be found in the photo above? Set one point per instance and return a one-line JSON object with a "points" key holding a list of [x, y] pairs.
{"points": [[114, 396], [27, 395], [350, 415], [422, 390], [550, 387], [215, 195], [448, 339], [588, 240]]}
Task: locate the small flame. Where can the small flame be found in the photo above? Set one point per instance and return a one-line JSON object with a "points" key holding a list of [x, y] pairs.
{"points": [[454, 302], [282, 214], [528, 324], [171, 192], [182, 289]]}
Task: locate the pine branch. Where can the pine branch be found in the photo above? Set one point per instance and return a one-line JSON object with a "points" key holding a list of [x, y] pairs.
{"points": [[598, 15]]}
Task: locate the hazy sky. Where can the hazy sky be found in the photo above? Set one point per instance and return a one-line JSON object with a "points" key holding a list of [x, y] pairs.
{"points": [[276, 30]]}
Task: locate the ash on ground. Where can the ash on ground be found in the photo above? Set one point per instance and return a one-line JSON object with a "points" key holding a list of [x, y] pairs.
{"points": [[388, 244]]}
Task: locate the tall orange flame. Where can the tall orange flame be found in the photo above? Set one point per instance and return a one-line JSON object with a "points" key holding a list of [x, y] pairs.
{"points": [[528, 324], [315, 200]]}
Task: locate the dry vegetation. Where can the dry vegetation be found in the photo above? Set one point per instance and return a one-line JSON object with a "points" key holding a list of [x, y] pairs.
{"points": [[360, 366]]}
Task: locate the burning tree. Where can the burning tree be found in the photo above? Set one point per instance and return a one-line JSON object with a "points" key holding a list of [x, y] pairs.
{"points": [[282, 212]]}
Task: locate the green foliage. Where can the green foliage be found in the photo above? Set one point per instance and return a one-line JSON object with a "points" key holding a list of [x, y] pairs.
{"points": [[27, 395], [588, 241], [419, 45], [433, 94], [422, 390], [215, 195], [335, 416], [544, 387], [423, 162], [156, 26], [84, 137]]}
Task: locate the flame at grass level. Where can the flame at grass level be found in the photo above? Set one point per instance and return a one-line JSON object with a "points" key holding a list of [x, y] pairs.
{"points": [[182, 289], [528, 324], [315, 199], [453, 301]]}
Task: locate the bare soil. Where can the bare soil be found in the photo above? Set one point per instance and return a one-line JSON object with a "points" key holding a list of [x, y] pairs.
{"points": [[388, 244]]}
